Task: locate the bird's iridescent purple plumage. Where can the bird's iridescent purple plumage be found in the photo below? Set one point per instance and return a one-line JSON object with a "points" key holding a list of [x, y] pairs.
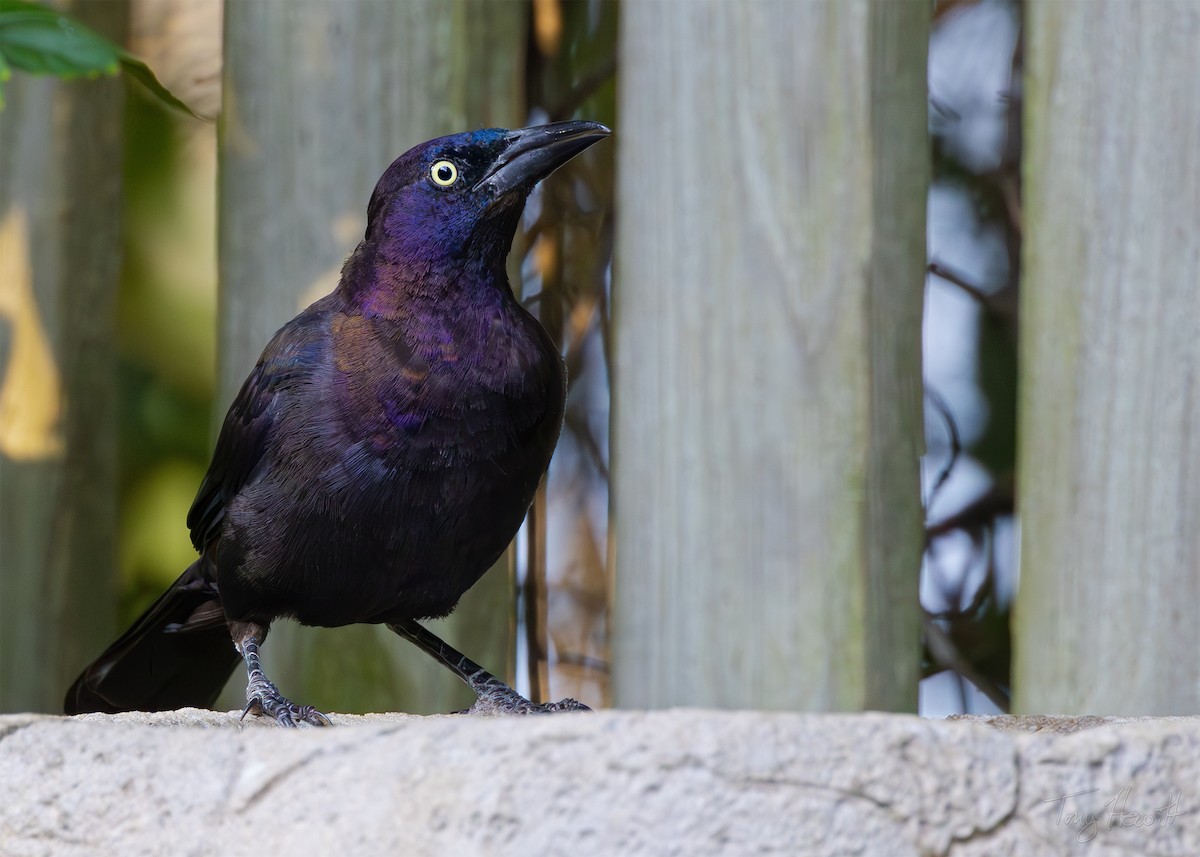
{"points": [[383, 451]]}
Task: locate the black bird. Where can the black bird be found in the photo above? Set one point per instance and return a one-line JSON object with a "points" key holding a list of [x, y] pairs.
{"points": [[384, 450]]}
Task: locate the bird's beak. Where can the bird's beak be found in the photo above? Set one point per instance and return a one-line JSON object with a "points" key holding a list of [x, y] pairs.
{"points": [[531, 154]]}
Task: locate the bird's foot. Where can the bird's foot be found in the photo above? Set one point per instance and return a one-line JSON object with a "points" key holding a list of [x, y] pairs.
{"points": [[493, 696], [263, 697], [500, 699]]}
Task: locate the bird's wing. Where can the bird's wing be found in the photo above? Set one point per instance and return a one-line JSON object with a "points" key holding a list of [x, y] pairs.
{"points": [[288, 360]]}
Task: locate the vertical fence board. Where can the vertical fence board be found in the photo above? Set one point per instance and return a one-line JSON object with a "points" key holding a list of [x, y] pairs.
{"points": [[60, 255], [772, 169], [1109, 458], [319, 98]]}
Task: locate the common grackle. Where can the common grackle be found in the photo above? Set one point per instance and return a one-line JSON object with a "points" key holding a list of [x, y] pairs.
{"points": [[383, 451]]}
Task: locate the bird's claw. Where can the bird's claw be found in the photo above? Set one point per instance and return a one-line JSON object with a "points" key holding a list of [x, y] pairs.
{"points": [[566, 704], [505, 700], [262, 697]]}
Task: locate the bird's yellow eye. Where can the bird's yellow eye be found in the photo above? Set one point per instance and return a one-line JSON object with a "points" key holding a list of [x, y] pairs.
{"points": [[444, 173]]}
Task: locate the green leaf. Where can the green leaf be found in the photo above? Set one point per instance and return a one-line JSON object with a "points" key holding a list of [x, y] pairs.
{"points": [[141, 72], [39, 40]]}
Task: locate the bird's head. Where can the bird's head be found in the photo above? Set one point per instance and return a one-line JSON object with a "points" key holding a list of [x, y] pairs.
{"points": [[459, 198]]}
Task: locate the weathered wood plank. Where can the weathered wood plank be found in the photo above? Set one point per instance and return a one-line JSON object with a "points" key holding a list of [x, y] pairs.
{"points": [[1109, 461], [319, 98], [773, 165], [60, 257]]}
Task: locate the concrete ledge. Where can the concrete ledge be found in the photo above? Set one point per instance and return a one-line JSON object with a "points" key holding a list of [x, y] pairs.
{"points": [[612, 783]]}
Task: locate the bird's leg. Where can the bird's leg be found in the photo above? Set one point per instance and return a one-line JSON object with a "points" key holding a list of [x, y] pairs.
{"points": [[262, 696], [494, 696]]}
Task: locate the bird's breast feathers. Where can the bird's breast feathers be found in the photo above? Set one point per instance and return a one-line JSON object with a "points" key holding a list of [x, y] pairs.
{"points": [[473, 384]]}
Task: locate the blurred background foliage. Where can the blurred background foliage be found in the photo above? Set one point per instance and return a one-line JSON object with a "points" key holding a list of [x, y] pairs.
{"points": [[970, 354], [166, 323]]}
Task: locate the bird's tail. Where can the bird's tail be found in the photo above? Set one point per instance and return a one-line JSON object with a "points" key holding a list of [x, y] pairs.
{"points": [[177, 654]]}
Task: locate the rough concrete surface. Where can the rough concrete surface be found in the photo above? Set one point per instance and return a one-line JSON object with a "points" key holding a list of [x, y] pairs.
{"points": [[663, 783]]}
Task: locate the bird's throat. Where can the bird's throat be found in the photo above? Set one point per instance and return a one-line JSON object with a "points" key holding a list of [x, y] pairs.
{"points": [[387, 287]]}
